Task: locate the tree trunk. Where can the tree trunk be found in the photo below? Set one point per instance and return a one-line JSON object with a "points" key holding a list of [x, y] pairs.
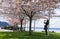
{"points": [[21, 26], [30, 26]]}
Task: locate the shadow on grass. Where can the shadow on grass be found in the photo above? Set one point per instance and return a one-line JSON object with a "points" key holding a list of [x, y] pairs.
{"points": [[25, 35]]}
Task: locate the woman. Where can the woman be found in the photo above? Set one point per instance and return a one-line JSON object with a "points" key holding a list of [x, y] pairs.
{"points": [[46, 26]]}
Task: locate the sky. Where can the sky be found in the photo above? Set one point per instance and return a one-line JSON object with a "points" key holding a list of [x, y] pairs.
{"points": [[2, 19], [57, 11]]}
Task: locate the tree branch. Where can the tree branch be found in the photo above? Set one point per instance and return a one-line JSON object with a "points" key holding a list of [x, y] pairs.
{"points": [[33, 13], [25, 12]]}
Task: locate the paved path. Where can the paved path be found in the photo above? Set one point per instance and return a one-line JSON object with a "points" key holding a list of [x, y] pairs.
{"points": [[4, 30]]}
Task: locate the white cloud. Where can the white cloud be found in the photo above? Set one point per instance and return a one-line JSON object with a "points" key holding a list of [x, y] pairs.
{"points": [[57, 11], [2, 19], [55, 22]]}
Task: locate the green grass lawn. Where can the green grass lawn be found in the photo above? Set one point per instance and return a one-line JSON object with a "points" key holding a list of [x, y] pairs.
{"points": [[24, 35]]}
